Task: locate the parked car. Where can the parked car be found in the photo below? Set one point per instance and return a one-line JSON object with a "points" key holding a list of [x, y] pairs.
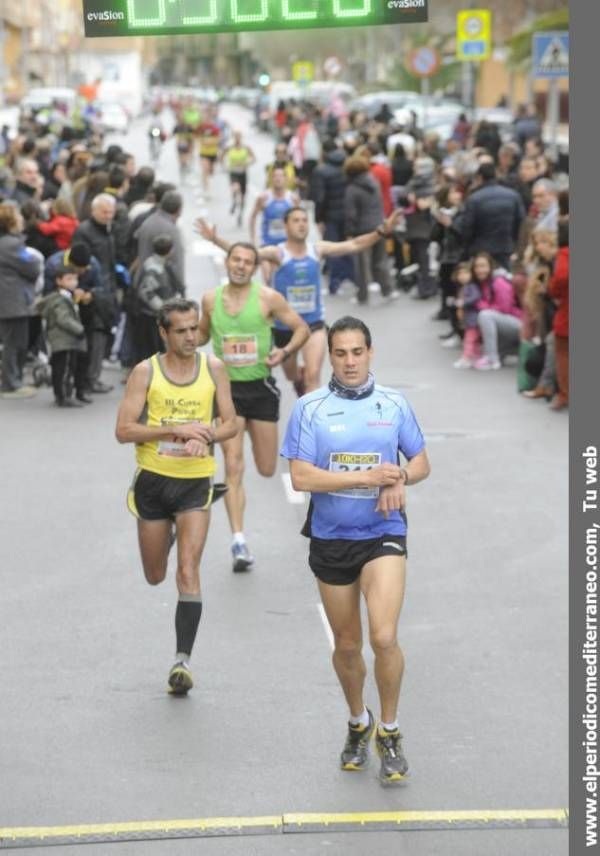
{"points": [[372, 102], [436, 115], [112, 117], [46, 96]]}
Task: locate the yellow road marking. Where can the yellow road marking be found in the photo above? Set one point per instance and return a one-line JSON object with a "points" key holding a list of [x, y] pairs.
{"points": [[280, 824], [139, 827], [483, 816]]}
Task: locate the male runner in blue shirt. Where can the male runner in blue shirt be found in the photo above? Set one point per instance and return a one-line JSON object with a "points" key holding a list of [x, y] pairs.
{"points": [[343, 443]]}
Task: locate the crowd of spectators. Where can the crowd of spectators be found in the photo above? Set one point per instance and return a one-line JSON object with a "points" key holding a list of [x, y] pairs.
{"points": [[484, 226], [89, 251]]}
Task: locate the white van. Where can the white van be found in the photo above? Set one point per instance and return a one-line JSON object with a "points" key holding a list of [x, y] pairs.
{"points": [[46, 96]]}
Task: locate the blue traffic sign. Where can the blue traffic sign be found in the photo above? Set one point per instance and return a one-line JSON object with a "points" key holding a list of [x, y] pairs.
{"points": [[550, 54]]}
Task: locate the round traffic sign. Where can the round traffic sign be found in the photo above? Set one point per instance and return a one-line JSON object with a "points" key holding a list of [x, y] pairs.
{"points": [[332, 66], [473, 25], [424, 62]]}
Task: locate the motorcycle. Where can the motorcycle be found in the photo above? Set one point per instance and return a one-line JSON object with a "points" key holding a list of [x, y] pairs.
{"points": [[157, 138]]}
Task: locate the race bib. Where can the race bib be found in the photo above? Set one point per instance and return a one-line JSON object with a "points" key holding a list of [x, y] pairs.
{"points": [[174, 448], [343, 462], [277, 229], [302, 298], [240, 349]]}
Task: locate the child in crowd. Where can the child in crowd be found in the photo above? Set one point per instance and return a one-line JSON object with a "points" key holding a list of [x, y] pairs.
{"points": [[467, 304], [66, 338], [61, 225]]}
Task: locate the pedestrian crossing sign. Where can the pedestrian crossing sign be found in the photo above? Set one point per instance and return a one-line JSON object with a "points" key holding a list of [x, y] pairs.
{"points": [[550, 54], [303, 71]]}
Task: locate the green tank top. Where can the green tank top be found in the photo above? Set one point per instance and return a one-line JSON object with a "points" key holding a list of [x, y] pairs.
{"points": [[237, 159], [242, 341]]}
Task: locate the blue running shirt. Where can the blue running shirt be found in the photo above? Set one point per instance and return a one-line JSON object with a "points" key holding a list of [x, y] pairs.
{"points": [[273, 224], [299, 281], [336, 433]]}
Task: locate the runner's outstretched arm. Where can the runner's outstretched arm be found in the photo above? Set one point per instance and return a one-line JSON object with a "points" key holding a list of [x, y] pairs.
{"points": [[361, 242]]}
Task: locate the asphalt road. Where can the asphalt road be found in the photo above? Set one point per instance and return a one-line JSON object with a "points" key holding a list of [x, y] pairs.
{"points": [[89, 734]]}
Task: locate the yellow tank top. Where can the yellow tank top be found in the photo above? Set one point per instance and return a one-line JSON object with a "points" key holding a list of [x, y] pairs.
{"points": [[170, 403]]}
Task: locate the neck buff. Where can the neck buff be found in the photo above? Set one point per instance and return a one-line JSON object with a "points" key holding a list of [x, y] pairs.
{"points": [[352, 392]]}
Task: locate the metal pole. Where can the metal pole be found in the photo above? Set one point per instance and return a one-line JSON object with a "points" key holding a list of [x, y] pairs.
{"points": [[425, 96], [467, 87], [553, 111]]}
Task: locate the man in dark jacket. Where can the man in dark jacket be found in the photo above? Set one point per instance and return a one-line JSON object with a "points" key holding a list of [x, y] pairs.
{"points": [[163, 222], [329, 189], [364, 213], [491, 218], [96, 233]]}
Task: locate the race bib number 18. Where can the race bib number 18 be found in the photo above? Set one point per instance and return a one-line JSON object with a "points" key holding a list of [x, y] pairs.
{"points": [[343, 462], [240, 350]]}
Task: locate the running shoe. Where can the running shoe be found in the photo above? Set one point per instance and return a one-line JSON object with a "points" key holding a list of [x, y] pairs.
{"points": [[463, 363], [486, 364], [394, 766], [180, 679], [242, 560], [453, 341], [355, 754]]}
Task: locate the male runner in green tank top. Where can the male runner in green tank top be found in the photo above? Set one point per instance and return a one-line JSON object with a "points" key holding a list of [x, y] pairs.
{"points": [[238, 318]]}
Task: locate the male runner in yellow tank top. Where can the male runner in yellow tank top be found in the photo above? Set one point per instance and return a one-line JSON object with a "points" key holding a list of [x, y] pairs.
{"points": [[238, 318], [238, 158], [168, 411]]}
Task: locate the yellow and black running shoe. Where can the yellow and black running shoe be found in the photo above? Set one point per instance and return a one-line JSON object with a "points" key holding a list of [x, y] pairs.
{"points": [[180, 679], [355, 754], [394, 766]]}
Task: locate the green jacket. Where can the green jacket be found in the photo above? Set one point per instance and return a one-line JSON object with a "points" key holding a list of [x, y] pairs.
{"points": [[64, 330]]}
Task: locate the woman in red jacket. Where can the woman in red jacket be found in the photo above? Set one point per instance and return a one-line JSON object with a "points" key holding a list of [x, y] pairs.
{"points": [[559, 291]]}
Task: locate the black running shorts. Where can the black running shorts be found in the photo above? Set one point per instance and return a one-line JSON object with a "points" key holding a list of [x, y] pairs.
{"points": [[240, 178], [256, 399], [156, 497], [338, 562], [281, 338]]}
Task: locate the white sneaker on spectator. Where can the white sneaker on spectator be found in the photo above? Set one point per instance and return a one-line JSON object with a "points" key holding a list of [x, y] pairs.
{"points": [[485, 364], [463, 363], [452, 342], [20, 392], [510, 360]]}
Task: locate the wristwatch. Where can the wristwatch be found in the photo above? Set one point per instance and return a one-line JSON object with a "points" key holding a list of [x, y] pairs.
{"points": [[381, 230]]}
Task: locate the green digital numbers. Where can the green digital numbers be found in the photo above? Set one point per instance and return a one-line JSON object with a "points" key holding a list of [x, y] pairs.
{"points": [[169, 17], [157, 20], [259, 14], [351, 8], [209, 19], [289, 14]]}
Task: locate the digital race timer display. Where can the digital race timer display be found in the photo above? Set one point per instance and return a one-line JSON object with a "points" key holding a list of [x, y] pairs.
{"points": [[170, 17]]}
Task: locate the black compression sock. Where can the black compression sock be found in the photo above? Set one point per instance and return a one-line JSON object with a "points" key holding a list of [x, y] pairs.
{"points": [[187, 619]]}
